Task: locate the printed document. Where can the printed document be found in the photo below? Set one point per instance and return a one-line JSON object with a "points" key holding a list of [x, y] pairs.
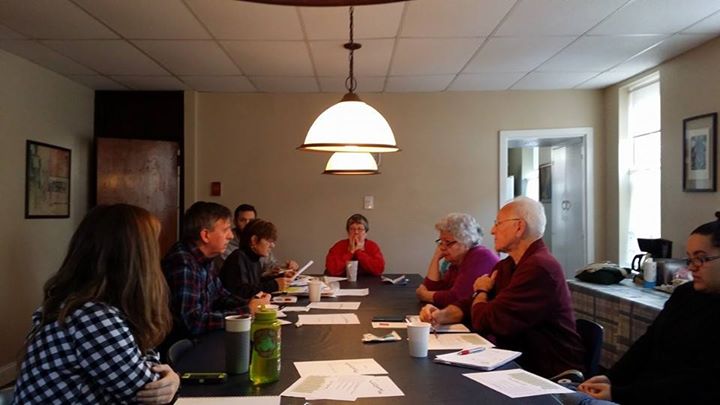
{"points": [[488, 359], [457, 341], [343, 387], [339, 367], [517, 383], [352, 292], [328, 319], [449, 328], [229, 401], [334, 305]]}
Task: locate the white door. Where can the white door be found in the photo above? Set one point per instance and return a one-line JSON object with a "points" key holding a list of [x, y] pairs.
{"points": [[568, 213]]}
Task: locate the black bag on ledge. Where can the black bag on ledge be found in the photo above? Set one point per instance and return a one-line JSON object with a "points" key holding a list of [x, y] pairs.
{"points": [[601, 273]]}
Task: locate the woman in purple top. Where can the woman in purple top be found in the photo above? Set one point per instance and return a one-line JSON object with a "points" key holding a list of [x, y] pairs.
{"points": [[460, 245]]}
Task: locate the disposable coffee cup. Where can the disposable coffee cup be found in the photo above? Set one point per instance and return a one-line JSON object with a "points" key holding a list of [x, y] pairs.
{"points": [[418, 336], [314, 290], [237, 343], [351, 270]]}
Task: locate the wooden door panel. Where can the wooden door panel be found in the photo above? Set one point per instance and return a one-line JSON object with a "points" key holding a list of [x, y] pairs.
{"points": [[142, 173]]}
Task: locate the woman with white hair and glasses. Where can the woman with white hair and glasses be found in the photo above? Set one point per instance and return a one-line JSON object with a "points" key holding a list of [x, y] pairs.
{"points": [[460, 244]]}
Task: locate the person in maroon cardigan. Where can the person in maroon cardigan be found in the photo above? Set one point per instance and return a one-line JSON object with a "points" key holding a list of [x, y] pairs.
{"points": [[460, 244], [525, 304], [355, 247]]}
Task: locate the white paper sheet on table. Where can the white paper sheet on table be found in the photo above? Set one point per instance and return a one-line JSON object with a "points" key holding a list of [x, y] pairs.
{"points": [[331, 279], [352, 292], [457, 341], [389, 325], [328, 319], [449, 328], [517, 383], [343, 387], [334, 305], [295, 309], [265, 400], [339, 367]]}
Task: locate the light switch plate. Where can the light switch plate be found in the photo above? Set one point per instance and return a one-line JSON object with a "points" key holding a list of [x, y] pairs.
{"points": [[369, 202]]}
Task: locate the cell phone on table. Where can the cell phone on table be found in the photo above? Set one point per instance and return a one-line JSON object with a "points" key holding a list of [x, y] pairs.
{"points": [[203, 378]]}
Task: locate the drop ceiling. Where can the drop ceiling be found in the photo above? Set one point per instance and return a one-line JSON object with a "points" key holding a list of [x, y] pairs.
{"points": [[413, 46]]}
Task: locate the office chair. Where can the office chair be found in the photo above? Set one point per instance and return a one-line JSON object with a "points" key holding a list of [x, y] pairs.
{"points": [[177, 350], [591, 334]]}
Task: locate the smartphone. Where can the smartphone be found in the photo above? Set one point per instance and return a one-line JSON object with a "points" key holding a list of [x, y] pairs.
{"points": [[203, 378]]}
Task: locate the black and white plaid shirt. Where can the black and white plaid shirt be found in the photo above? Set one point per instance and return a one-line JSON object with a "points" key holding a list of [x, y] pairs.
{"points": [[93, 359]]}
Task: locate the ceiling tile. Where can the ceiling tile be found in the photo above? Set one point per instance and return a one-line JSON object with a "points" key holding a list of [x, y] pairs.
{"points": [[596, 54], [401, 84], [552, 80], [141, 82], [603, 80], [7, 33], [244, 20], [270, 58], [453, 18], [285, 84], [156, 19], [432, 56], [200, 58], [668, 49], [111, 57], [54, 19], [44, 56], [656, 17], [710, 25], [364, 84], [511, 54], [98, 82], [556, 17], [376, 21], [373, 59], [219, 84], [485, 81]]}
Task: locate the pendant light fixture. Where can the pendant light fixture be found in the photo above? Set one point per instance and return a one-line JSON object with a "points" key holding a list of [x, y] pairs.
{"points": [[350, 125], [349, 163]]}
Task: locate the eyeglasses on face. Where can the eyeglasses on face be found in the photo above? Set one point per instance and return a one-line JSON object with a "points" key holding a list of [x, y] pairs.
{"points": [[700, 260], [357, 229], [445, 243], [506, 220]]}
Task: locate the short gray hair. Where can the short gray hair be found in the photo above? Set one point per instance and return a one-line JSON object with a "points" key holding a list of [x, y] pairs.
{"points": [[463, 227], [532, 212]]}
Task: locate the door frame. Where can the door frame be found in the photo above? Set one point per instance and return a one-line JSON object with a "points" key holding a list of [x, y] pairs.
{"points": [[586, 133]]}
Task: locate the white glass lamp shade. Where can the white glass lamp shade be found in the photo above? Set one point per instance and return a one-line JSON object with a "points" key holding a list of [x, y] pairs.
{"points": [[350, 126], [351, 163]]}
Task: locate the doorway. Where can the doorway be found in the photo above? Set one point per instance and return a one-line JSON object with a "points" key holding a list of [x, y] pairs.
{"points": [[554, 166]]}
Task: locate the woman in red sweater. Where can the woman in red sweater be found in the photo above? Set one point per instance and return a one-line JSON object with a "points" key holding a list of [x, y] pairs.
{"points": [[356, 247]]}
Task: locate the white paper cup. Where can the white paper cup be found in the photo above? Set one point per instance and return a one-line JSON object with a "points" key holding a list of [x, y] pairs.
{"points": [[418, 336], [351, 270], [314, 290], [237, 343]]}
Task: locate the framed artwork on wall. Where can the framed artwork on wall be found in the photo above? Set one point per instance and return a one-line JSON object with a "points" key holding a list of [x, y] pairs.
{"points": [[699, 152], [47, 181], [545, 183]]}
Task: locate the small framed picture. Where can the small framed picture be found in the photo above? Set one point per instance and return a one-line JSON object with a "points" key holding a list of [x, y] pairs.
{"points": [[699, 152], [47, 181], [545, 183]]}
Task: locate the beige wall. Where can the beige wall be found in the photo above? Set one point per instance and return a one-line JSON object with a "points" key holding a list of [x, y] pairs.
{"points": [[39, 105], [449, 162], [689, 86]]}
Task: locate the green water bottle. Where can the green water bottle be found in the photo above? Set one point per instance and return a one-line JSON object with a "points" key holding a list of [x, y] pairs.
{"points": [[265, 334]]}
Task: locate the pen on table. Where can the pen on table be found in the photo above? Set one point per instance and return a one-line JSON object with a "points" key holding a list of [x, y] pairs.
{"points": [[472, 350]]}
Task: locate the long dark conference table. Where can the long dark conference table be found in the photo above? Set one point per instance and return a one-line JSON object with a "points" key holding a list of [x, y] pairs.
{"points": [[421, 380]]}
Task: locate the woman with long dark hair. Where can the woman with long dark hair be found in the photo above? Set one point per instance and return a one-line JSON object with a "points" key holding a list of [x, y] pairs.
{"points": [[103, 312]]}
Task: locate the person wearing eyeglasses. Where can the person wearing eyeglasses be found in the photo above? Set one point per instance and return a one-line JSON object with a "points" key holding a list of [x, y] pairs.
{"points": [[356, 247], [460, 244], [524, 305], [677, 360]]}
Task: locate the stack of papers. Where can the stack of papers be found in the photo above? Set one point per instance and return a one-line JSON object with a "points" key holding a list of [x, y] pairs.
{"points": [[487, 359], [327, 319], [334, 305], [517, 383], [342, 380], [457, 341], [352, 292]]}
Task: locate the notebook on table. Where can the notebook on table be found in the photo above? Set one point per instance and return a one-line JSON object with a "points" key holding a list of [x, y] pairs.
{"points": [[488, 359]]}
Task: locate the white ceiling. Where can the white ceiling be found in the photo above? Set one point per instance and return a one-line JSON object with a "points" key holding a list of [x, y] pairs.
{"points": [[414, 46]]}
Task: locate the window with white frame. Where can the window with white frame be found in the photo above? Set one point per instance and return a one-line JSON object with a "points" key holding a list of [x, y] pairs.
{"points": [[640, 166]]}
